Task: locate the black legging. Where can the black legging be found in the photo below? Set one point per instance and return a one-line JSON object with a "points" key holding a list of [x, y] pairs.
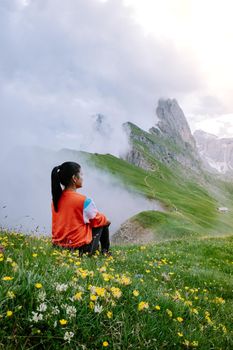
{"points": [[99, 235]]}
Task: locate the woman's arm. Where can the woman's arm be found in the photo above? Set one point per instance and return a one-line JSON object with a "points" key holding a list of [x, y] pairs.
{"points": [[92, 216]]}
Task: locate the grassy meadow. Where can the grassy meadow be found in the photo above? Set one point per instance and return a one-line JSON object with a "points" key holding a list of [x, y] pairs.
{"points": [[191, 208], [173, 295]]}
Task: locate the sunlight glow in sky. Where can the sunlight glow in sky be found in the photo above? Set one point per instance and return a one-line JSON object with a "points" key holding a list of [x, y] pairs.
{"points": [[203, 28]]}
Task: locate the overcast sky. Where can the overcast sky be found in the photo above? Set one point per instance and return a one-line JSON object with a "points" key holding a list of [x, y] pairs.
{"points": [[62, 62]]}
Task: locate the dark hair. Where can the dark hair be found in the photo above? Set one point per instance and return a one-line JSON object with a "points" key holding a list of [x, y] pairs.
{"points": [[62, 174]]}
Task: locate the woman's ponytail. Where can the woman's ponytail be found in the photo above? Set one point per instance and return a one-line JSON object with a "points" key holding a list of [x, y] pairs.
{"points": [[62, 175], [56, 187]]}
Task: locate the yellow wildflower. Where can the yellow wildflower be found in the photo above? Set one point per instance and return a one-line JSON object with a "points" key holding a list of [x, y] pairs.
{"points": [[78, 296], [180, 334], [10, 294], [136, 293], [208, 319], [9, 313], [105, 344], [93, 297], [7, 278], [84, 274], [157, 307], [116, 292], [194, 311], [91, 305], [224, 329], [124, 280], [102, 269], [169, 312], [219, 300], [106, 276], [34, 255], [38, 285], [180, 319], [109, 314], [63, 322], [194, 344], [143, 305], [100, 291]]}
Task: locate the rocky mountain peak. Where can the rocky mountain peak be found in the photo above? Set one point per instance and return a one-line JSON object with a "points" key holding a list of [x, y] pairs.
{"points": [[202, 135], [215, 152], [172, 122], [170, 141]]}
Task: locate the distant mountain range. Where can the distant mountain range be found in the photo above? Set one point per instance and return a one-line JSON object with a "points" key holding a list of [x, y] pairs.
{"points": [[216, 153]]}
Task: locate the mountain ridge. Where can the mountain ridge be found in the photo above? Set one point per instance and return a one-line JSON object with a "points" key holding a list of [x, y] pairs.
{"points": [[216, 153]]}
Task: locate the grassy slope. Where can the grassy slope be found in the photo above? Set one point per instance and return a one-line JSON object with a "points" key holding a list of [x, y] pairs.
{"points": [[193, 210], [185, 290]]}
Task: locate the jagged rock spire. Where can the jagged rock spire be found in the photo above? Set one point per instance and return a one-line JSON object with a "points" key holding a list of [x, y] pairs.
{"points": [[172, 122]]}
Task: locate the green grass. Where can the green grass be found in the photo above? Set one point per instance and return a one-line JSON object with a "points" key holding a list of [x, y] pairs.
{"points": [[184, 286], [164, 143], [167, 225]]}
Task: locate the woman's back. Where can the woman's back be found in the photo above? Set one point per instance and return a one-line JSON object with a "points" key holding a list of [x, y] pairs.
{"points": [[68, 227]]}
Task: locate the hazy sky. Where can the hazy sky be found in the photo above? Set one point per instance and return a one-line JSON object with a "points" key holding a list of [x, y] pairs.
{"points": [[62, 62], [204, 29]]}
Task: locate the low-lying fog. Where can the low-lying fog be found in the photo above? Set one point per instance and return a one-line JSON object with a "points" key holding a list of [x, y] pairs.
{"points": [[25, 203]]}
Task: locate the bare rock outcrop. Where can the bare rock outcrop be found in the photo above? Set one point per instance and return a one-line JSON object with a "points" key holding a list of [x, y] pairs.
{"points": [[172, 122], [131, 232]]}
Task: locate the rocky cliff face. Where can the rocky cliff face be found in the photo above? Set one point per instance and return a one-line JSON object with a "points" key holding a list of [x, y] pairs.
{"points": [[173, 124], [169, 141], [216, 153]]}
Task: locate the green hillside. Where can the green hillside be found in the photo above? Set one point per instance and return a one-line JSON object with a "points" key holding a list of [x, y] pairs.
{"points": [[191, 209]]}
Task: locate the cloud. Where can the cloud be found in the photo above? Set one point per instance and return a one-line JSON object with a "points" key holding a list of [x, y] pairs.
{"points": [[221, 126], [63, 61]]}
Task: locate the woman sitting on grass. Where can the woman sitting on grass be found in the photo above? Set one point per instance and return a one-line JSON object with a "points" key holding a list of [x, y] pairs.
{"points": [[76, 222]]}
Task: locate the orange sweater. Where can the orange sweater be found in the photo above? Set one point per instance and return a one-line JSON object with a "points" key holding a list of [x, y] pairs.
{"points": [[69, 228]]}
